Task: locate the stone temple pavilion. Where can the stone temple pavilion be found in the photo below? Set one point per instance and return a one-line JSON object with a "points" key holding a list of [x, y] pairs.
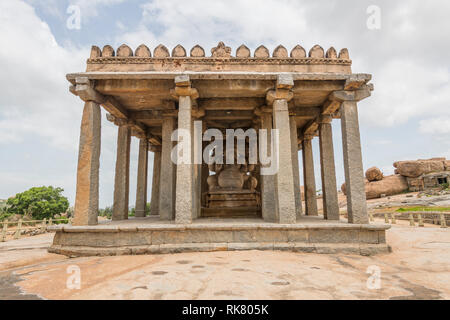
{"points": [[220, 206]]}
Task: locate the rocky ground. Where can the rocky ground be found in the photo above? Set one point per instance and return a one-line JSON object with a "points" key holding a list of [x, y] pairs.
{"points": [[416, 269], [404, 200]]}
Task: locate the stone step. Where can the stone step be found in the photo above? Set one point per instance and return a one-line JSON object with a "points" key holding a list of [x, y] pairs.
{"points": [[232, 197], [252, 211]]}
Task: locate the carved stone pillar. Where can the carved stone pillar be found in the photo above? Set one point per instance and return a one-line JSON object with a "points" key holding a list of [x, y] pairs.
{"points": [[268, 190], [154, 204], [86, 201], [142, 176], [186, 207], [353, 167], [167, 176], [122, 177], [309, 177], [295, 167], [328, 171], [284, 178]]}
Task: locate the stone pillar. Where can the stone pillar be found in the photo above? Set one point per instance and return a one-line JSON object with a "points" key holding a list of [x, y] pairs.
{"points": [[204, 183], [154, 204], [142, 176], [197, 145], [268, 195], [284, 177], [86, 201], [122, 178], [328, 170], [167, 176], [354, 174], [309, 184], [184, 204], [295, 167]]}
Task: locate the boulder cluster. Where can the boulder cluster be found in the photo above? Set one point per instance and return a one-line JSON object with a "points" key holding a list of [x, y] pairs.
{"points": [[411, 175]]}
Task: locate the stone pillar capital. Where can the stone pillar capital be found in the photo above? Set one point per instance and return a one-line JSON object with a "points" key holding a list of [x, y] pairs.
{"points": [[355, 95], [84, 88], [285, 83], [279, 94], [183, 88], [308, 136]]}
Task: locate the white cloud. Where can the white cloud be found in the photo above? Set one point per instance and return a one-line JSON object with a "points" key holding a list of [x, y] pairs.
{"points": [[89, 8], [405, 89], [35, 100], [436, 126], [235, 22]]}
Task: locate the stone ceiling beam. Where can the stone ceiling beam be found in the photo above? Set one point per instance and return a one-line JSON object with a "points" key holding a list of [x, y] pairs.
{"points": [[152, 114], [230, 103], [229, 115], [223, 75]]}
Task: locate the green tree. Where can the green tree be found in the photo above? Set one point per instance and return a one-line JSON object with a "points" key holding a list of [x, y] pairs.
{"points": [[39, 202]]}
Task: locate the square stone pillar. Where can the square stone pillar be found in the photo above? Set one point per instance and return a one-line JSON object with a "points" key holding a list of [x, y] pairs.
{"points": [[268, 196], [309, 177], [122, 178], [328, 170], [184, 201], [284, 177], [295, 167], [197, 145], [204, 183], [142, 176], [353, 167], [167, 176], [154, 204], [86, 201]]}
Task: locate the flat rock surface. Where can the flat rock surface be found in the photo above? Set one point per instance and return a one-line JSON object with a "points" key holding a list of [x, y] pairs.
{"points": [[416, 269]]}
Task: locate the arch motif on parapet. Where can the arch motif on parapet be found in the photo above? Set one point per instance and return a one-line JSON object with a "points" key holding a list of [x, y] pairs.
{"points": [[124, 51], [262, 52], [280, 52], [197, 52], [179, 51], [143, 52], [316, 52], [161, 52]]}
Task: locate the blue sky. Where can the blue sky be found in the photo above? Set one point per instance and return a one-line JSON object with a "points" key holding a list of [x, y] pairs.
{"points": [[407, 117]]}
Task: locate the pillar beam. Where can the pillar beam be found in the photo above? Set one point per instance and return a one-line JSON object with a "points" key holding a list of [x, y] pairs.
{"points": [[309, 184], [186, 204], [142, 177], [295, 167], [284, 177], [167, 176], [268, 189], [87, 194], [154, 203], [122, 176], [353, 167], [328, 170]]}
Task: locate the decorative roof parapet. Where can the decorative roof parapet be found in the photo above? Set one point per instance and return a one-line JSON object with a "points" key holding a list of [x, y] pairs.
{"points": [[221, 59], [221, 52]]}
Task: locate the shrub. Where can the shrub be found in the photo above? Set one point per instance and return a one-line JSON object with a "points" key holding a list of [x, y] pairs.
{"points": [[39, 203]]}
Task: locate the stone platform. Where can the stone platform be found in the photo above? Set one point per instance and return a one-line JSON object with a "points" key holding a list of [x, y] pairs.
{"points": [[152, 236]]}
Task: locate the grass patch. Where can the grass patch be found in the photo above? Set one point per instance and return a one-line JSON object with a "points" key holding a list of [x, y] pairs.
{"points": [[441, 209]]}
